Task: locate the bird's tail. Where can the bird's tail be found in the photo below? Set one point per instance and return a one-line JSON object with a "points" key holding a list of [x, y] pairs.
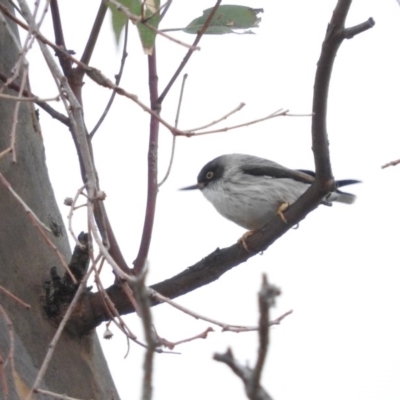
{"points": [[344, 197]]}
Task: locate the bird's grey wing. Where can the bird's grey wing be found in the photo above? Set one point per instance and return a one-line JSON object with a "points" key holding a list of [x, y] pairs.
{"points": [[278, 172]]}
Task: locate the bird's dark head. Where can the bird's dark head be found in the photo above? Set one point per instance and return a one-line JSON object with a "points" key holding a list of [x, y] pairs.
{"points": [[210, 173]]}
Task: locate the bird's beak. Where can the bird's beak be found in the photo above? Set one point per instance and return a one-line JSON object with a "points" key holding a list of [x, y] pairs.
{"points": [[193, 187]]}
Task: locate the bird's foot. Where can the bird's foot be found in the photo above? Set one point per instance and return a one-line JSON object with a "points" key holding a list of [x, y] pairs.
{"points": [[282, 208], [242, 240]]}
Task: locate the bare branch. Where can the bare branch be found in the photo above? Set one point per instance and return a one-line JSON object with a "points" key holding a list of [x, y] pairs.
{"points": [[15, 298], [174, 136], [6, 151], [71, 213], [266, 299], [251, 376], [226, 116], [41, 227], [335, 35], [356, 30], [65, 62], [224, 326], [278, 113], [3, 379], [142, 297], [119, 272], [91, 42], [40, 102], [55, 395], [117, 81], [278, 320], [10, 329], [391, 163], [152, 167], [171, 345], [243, 372], [15, 115]]}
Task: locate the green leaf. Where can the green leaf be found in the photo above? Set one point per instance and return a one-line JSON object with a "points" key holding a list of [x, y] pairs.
{"points": [[152, 17], [150, 9], [119, 19], [227, 19]]}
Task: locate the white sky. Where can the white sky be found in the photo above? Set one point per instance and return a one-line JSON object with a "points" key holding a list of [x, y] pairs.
{"points": [[339, 271]]}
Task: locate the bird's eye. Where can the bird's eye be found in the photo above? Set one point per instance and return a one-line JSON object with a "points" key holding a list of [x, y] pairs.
{"points": [[209, 175]]}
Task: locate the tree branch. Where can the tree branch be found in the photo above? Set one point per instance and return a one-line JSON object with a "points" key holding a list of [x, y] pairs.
{"points": [[90, 44], [335, 35], [152, 163], [65, 62], [51, 111], [251, 376], [117, 81]]}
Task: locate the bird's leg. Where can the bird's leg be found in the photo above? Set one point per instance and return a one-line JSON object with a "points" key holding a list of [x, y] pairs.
{"points": [[281, 209], [242, 240]]}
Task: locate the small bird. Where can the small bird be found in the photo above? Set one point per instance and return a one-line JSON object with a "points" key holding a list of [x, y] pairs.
{"points": [[250, 190]]}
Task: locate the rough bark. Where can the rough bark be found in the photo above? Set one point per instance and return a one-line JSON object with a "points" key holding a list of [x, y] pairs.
{"points": [[78, 367]]}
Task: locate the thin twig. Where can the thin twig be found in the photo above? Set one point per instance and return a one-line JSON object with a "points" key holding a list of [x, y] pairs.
{"points": [[92, 40], [38, 224], [3, 379], [225, 327], [6, 151], [278, 113], [40, 102], [142, 298], [71, 213], [278, 320], [13, 132], [65, 62], [189, 53], [243, 372], [23, 50], [152, 168], [391, 163], [202, 335], [174, 136], [11, 336], [28, 99], [53, 394], [22, 203], [114, 314], [102, 80], [117, 81], [103, 249], [335, 35], [251, 376], [165, 9], [235, 110], [15, 298], [129, 294], [266, 299]]}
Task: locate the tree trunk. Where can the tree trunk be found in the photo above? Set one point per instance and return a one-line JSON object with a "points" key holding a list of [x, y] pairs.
{"points": [[77, 368]]}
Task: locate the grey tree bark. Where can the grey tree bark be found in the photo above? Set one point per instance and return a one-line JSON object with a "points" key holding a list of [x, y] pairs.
{"points": [[78, 367]]}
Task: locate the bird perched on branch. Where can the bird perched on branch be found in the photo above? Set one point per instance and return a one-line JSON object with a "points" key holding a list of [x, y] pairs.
{"points": [[250, 190]]}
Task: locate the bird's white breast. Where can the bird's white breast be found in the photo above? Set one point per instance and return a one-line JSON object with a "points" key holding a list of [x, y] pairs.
{"points": [[251, 201]]}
